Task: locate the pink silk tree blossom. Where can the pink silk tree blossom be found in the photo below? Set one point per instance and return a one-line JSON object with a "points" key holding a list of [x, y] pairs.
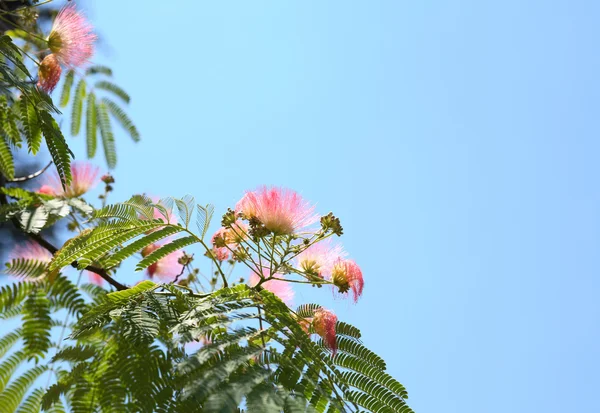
{"points": [[281, 289], [71, 38], [166, 268], [346, 275], [324, 323], [85, 177], [319, 258], [30, 251], [280, 210]]}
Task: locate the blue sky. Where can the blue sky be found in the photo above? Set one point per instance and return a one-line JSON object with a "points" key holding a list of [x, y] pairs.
{"points": [[456, 140]]}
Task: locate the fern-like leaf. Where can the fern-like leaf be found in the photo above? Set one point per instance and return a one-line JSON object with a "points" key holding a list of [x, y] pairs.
{"points": [[66, 91], [31, 127], [120, 115], [76, 115], [91, 126], [111, 87], [108, 139], [7, 162]]}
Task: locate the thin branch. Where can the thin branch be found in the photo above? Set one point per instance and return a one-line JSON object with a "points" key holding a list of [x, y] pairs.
{"points": [[100, 271], [31, 176]]}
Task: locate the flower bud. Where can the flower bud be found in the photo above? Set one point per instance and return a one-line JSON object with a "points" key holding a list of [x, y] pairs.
{"points": [[49, 73]]}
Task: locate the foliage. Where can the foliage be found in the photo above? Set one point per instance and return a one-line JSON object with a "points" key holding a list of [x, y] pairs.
{"points": [[188, 340]]}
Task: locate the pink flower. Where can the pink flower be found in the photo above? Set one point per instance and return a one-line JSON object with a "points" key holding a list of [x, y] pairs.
{"points": [[281, 289], [95, 278], [319, 258], [324, 322], [346, 275], [280, 210], [85, 177], [30, 251], [228, 237], [165, 269], [49, 73], [71, 38]]}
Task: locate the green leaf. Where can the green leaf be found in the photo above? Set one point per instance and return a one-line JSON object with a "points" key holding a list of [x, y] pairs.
{"points": [[204, 217], [31, 127], [26, 268], [36, 325], [111, 87], [59, 150], [108, 139], [125, 295], [7, 163], [91, 125], [66, 92], [122, 118], [97, 69], [78, 98]]}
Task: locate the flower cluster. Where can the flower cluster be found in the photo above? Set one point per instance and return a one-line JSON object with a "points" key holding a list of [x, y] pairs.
{"points": [[271, 231], [71, 43], [273, 225]]}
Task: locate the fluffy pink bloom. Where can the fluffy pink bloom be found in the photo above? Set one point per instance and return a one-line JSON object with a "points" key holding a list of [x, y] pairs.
{"points": [[230, 237], [165, 269], [280, 210], [324, 322], [319, 258], [71, 38], [49, 73], [30, 251], [346, 275], [281, 289], [95, 278], [85, 177]]}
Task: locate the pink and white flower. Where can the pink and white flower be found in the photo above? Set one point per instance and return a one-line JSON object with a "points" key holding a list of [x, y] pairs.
{"points": [[85, 177], [30, 251], [319, 258], [346, 275], [280, 210], [71, 38], [324, 323], [166, 268], [281, 289]]}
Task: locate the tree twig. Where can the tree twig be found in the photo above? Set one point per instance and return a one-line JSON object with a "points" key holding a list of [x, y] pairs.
{"points": [[31, 176]]}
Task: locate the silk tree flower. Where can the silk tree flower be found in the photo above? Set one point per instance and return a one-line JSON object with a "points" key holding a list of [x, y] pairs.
{"points": [[319, 258], [49, 73], [324, 322], [281, 289], [30, 251], [280, 210], [166, 268], [95, 278], [346, 275], [72, 38], [228, 238], [85, 177]]}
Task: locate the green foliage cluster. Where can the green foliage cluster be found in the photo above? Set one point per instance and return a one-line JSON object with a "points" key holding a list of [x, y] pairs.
{"points": [[181, 346]]}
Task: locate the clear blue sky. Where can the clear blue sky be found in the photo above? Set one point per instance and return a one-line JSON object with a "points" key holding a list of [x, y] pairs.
{"points": [[457, 141]]}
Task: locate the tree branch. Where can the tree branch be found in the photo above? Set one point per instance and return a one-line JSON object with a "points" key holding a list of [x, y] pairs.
{"points": [[31, 176], [100, 271]]}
